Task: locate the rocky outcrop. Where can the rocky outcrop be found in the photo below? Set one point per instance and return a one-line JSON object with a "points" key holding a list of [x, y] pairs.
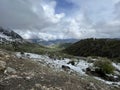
{"points": [[7, 36], [10, 33]]}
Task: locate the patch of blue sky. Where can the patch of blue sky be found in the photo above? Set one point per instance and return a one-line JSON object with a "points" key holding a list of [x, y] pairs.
{"points": [[63, 6]]}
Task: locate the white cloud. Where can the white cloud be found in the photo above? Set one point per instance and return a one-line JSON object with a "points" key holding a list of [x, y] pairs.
{"points": [[38, 19]]}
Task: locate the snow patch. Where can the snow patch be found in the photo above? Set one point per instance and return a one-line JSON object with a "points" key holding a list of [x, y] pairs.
{"points": [[108, 82], [117, 66], [80, 67]]}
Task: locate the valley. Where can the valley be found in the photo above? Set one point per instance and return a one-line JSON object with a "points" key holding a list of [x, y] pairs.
{"points": [[27, 65]]}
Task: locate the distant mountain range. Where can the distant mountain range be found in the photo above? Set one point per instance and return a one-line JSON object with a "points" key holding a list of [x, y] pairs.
{"points": [[8, 36], [53, 42]]}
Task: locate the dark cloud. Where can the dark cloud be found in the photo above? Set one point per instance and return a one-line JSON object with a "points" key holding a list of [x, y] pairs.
{"points": [[17, 14]]}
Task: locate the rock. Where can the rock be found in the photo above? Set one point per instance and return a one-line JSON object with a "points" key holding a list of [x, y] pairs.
{"points": [[28, 77], [2, 65], [66, 68], [91, 86], [44, 88], [58, 88], [32, 89], [38, 85], [7, 56], [71, 62], [2, 87], [10, 70]]}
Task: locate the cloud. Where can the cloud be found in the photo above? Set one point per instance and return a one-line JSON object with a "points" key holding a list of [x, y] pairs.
{"points": [[40, 19], [27, 13]]}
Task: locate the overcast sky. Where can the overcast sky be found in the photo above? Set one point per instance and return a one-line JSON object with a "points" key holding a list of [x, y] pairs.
{"points": [[60, 19]]}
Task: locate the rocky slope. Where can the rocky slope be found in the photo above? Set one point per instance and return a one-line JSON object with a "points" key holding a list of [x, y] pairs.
{"points": [[26, 72], [7, 36]]}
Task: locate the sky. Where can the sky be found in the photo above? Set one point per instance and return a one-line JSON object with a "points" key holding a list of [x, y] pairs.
{"points": [[61, 19]]}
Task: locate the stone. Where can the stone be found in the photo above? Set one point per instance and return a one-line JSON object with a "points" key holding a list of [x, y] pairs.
{"points": [[71, 62], [10, 70], [66, 68], [38, 85], [32, 89], [2, 65], [91, 86], [28, 77]]}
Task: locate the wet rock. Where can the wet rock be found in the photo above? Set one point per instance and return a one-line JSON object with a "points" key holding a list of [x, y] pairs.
{"points": [[2, 65]]}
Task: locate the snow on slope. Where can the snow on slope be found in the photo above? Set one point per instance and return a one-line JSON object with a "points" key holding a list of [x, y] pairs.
{"points": [[79, 68], [2, 36], [117, 84], [117, 66], [7, 36]]}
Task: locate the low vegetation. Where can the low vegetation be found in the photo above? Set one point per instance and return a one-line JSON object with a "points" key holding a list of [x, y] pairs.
{"points": [[54, 53], [104, 65], [96, 47]]}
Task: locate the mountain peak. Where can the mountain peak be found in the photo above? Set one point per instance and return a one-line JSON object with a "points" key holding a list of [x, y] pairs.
{"points": [[9, 35]]}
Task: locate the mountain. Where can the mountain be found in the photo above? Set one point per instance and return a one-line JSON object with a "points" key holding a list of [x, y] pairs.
{"points": [[10, 40], [53, 42], [95, 47], [7, 36]]}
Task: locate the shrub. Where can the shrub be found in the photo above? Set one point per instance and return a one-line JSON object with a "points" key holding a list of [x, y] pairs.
{"points": [[104, 65]]}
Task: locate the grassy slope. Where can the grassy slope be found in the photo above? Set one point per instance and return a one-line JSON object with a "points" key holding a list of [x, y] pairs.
{"points": [[61, 46], [96, 47], [53, 52]]}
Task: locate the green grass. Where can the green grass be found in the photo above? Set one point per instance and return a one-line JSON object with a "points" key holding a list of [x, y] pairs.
{"points": [[38, 49]]}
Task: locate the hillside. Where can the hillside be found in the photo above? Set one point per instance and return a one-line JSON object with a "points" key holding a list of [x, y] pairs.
{"points": [[39, 72], [95, 47], [12, 41], [30, 66]]}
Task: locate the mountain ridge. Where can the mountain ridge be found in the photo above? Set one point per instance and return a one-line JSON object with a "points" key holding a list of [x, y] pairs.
{"points": [[95, 47]]}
